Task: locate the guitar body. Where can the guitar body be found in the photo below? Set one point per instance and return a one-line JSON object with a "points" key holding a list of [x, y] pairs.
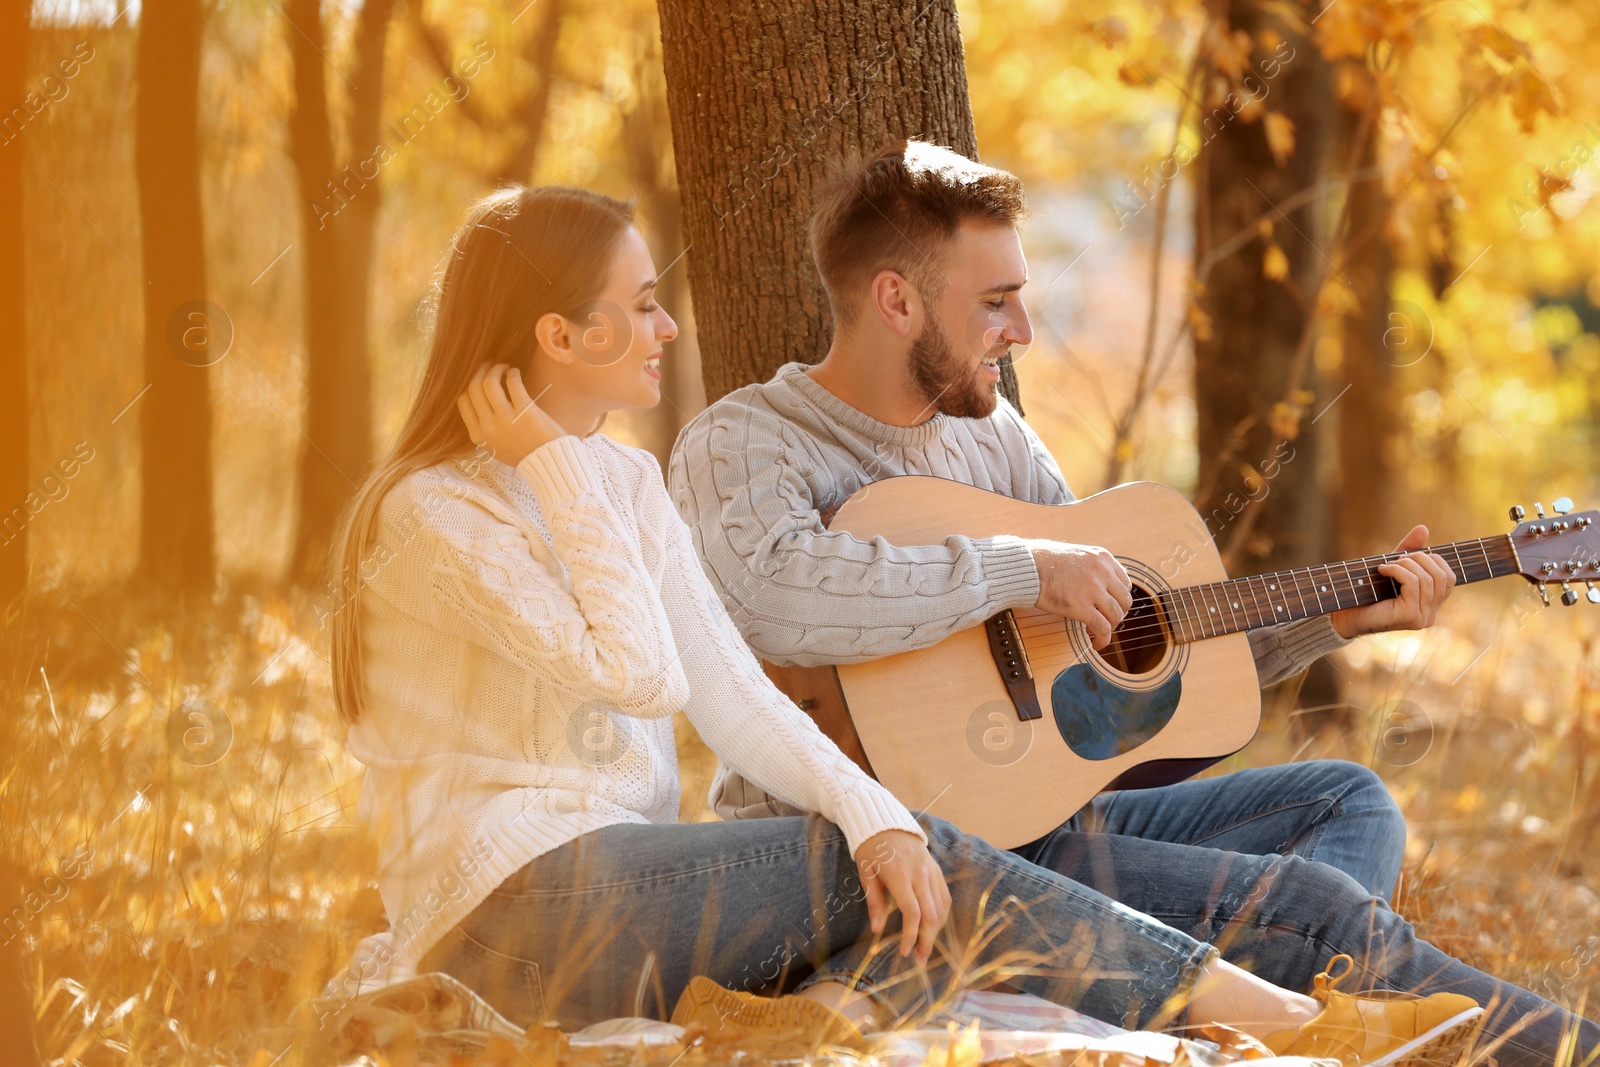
{"points": [[1008, 728], [939, 726]]}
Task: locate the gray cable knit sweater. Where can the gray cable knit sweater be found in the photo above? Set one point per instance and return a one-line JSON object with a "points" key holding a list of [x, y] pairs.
{"points": [[757, 473]]}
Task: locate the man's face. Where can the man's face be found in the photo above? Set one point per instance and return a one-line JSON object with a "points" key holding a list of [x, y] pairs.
{"points": [[954, 360]]}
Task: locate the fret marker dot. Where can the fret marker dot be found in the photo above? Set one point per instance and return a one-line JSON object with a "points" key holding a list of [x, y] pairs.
{"points": [[1361, 581], [1235, 603], [1213, 611], [1271, 587], [1322, 589], [1280, 607]]}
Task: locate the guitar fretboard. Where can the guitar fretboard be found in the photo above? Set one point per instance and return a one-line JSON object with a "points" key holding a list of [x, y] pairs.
{"points": [[1197, 612]]}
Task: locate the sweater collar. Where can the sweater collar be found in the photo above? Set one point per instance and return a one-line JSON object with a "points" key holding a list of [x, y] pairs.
{"points": [[795, 377]]}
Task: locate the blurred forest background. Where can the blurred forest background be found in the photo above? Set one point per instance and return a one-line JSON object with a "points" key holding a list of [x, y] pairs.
{"points": [[1356, 234]]}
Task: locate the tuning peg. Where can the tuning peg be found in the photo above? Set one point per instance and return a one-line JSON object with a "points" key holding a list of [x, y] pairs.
{"points": [[1569, 595], [1538, 509], [1517, 512], [1594, 593], [1562, 505], [1544, 593]]}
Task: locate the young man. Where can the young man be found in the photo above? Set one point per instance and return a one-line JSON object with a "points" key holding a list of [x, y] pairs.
{"points": [[918, 248]]}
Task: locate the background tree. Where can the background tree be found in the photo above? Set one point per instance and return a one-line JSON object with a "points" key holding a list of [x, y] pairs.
{"points": [[338, 413], [520, 122], [16, 472], [181, 335], [16, 1015], [1251, 366], [357, 227], [762, 101]]}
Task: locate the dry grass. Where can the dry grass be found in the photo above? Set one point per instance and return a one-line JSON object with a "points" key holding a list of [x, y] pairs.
{"points": [[220, 895]]}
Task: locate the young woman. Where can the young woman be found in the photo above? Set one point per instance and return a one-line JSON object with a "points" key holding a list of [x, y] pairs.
{"points": [[530, 612]]}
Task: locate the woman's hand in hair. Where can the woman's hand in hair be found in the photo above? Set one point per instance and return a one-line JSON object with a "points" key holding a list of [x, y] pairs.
{"points": [[899, 864], [499, 412]]}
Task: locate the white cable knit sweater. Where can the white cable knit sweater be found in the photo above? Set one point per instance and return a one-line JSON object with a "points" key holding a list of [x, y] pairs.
{"points": [[526, 638]]}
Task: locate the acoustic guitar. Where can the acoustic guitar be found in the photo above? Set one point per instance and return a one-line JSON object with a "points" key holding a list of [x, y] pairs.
{"points": [[1007, 728]]}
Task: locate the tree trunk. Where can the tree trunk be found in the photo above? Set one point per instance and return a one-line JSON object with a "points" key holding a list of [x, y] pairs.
{"points": [[763, 99], [1373, 346], [357, 226], [337, 417], [16, 999], [17, 469], [1242, 370], [182, 335]]}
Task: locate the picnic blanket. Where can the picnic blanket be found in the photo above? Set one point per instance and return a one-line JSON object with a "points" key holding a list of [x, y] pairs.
{"points": [[430, 1019]]}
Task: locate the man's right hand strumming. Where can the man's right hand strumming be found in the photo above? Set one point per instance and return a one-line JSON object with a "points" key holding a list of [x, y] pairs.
{"points": [[1083, 583]]}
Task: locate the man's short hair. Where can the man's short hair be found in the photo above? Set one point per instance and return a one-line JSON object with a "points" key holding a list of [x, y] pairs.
{"points": [[897, 209]]}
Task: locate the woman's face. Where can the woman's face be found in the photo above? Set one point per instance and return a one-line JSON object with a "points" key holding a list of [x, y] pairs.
{"points": [[617, 338]]}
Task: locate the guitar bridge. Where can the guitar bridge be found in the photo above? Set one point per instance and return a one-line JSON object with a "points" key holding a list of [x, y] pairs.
{"points": [[1011, 658]]}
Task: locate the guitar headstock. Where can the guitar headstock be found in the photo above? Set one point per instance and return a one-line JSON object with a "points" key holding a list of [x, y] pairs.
{"points": [[1563, 548]]}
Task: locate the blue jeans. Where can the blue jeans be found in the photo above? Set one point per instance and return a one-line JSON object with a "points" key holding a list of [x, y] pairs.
{"points": [[1283, 868], [618, 921]]}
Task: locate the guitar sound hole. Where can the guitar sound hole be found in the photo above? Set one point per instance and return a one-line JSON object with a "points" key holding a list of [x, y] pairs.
{"points": [[1140, 643]]}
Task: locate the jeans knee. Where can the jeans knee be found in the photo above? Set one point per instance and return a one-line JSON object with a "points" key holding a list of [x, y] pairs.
{"points": [[941, 834], [1365, 792], [1394, 826]]}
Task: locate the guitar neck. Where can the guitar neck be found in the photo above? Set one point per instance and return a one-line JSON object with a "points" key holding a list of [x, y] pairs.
{"points": [[1197, 612]]}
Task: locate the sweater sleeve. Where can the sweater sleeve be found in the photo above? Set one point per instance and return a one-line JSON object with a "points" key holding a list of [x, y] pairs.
{"points": [[1288, 649], [603, 632], [754, 729], [805, 595]]}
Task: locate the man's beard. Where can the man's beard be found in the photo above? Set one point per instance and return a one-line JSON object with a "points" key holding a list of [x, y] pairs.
{"points": [[947, 379]]}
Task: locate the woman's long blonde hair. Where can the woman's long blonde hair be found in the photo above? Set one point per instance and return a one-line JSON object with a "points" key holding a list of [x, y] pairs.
{"points": [[520, 254]]}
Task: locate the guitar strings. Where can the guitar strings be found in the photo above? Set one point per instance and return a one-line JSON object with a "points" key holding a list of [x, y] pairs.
{"points": [[1152, 633], [1155, 632]]}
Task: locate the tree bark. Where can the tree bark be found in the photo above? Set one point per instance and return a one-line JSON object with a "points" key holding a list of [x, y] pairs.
{"points": [[1242, 370], [357, 227], [179, 334], [17, 469], [16, 1000], [338, 419], [763, 99], [1372, 349]]}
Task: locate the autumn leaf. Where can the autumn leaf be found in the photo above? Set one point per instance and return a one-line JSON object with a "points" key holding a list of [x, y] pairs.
{"points": [[1351, 83], [1229, 53], [1490, 38], [1129, 74], [1285, 420], [1199, 321], [1340, 32], [1113, 30], [1531, 97], [1554, 183], [1275, 265], [1336, 297], [1280, 135]]}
